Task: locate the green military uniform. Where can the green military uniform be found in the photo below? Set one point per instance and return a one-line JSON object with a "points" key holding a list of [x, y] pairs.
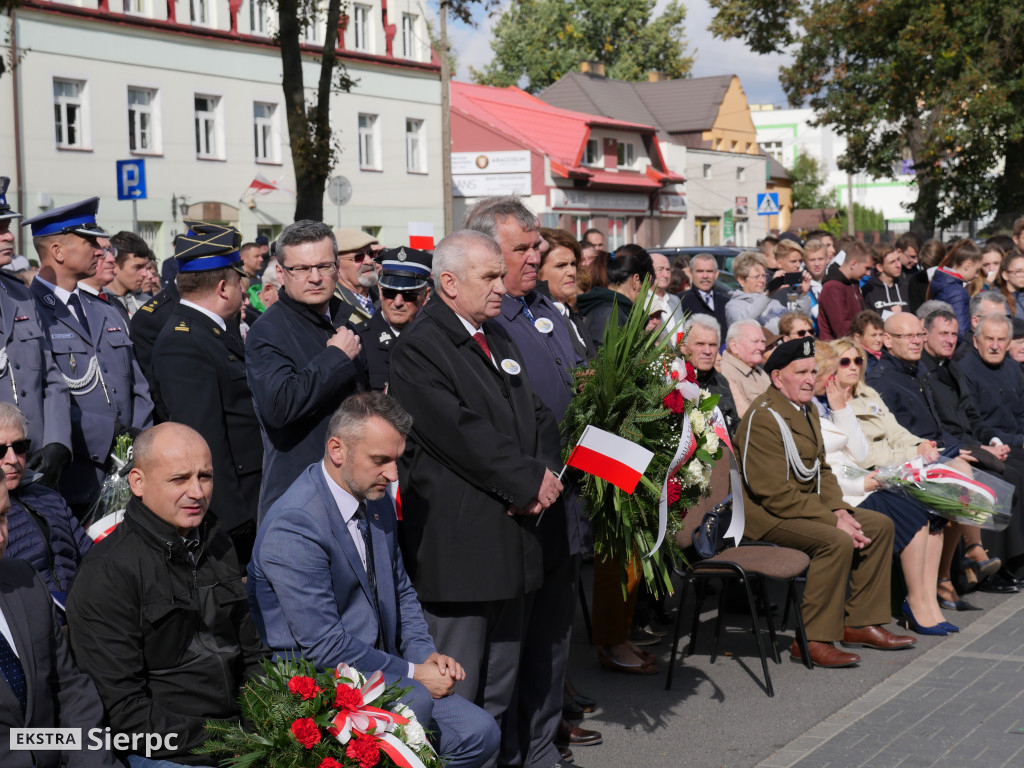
{"points": [[792, 512]]}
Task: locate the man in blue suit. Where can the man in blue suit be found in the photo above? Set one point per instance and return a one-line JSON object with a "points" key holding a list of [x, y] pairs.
{"points": [[327, 581]]}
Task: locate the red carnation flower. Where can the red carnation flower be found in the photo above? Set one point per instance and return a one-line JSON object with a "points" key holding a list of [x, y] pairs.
{"points": [[306, 732], [329, 762], [675, 488], [348, 698], [305, 687], [674, 401], [691, 372], [675, 375], [364, 749]]}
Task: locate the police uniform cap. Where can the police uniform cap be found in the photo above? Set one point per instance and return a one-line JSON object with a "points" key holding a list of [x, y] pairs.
{"points": [[353, 239], [77, 218], [5, 208], [788, 352], [207, 247], [404, 269]]}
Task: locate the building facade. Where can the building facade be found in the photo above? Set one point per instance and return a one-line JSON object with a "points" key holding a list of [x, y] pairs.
{"points": [[193, 88]]}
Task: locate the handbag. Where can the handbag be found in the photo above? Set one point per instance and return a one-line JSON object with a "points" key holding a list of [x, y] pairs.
{"points": [[707, 537]]}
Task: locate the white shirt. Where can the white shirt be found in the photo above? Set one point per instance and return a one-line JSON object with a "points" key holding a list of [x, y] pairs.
{"points": [[204, 311], [63, 294], [472, 332], [347, 504], [5, 630]]}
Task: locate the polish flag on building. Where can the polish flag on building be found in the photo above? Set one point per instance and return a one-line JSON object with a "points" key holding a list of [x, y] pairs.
{"points": [[265, 186], [421, 235], [615, 459]]}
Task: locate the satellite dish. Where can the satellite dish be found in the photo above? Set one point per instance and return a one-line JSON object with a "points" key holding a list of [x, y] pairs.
{"points": [[339, 190]]}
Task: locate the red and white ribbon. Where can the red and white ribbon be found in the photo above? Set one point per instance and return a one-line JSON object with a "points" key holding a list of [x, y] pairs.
{"points": [[687, 447], [948, 476]]}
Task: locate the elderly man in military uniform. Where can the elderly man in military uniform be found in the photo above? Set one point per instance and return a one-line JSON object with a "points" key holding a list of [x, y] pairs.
{"points": [[792, 499], [404, 281], [90, 345], [199, 374], [29, 377]]}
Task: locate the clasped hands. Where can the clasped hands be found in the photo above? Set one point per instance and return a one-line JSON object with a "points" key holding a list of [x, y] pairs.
{"points": [[846, 522], [438, 674], [550, 490]]}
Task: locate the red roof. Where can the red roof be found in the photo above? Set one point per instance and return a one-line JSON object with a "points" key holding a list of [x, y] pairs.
{"points": [[561, 134]]}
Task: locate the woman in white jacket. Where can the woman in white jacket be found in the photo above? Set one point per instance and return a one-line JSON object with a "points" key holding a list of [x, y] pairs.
{"points": [[918, 532]]}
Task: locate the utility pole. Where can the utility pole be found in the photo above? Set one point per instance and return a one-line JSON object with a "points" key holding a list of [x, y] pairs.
{"points": [[446, 127], [850, 229]]}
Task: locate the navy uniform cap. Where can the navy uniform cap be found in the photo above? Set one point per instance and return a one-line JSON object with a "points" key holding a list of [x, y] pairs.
{"points": [[404, 269], [789, 351], [208, 246], [77, 218], [5, 207]]}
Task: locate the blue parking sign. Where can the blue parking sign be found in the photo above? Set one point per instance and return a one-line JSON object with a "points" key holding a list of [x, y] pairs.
{"points": [[131, 179]]}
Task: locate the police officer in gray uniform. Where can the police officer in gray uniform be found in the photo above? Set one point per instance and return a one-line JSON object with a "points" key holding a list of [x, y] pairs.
{"points": [[29, 378], [90, 344]]}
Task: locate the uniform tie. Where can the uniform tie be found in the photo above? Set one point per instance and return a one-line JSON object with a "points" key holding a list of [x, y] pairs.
{"points": [[371, 572], [75, 303], [14, 674], [481, 340]]}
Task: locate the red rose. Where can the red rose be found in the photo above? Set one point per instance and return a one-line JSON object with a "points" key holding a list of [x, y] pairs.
{"points": [[305, 687], [306, 732], [329, 762], [364, 749], [348, 698], [691, 372], [674, 401], [675, 375], [674, 490]]}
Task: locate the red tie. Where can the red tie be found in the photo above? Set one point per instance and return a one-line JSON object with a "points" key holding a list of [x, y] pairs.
{"points": [[481, 340]]}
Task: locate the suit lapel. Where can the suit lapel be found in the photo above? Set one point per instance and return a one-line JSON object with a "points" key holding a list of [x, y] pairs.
{"points": [[383, 571], [58, 310], [96, 316], [8, 309], [17, 619], [340, 531]]}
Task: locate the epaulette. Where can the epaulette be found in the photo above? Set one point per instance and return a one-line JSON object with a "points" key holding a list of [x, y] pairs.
{"points": [[183, 326]]}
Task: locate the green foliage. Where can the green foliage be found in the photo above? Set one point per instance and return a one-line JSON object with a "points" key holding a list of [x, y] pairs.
{"points": [[541, 40], [809, 178], [942, 80], [864, 220]]}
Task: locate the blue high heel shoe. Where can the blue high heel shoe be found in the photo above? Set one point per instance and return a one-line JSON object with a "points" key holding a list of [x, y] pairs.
{"points": [[948, 627], [912, 624]]}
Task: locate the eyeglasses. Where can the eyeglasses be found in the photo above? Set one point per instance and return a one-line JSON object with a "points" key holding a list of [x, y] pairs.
{"points": [[305, 270], [803, 332], [358, 257], [20, 447], [109, 251], [846, 362], [391, 294], [908, 335]]}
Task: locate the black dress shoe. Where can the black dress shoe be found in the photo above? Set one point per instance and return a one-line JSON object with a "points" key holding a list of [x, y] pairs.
{"points": [[1010, 577], [566, 754], [997, 585]]}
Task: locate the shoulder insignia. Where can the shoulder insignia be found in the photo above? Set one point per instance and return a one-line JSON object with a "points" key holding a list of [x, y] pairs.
{"points": [[113, 330], [146, 308], [19, 318], [384, 336], [50, 300], [216, 331], [182, 326]]}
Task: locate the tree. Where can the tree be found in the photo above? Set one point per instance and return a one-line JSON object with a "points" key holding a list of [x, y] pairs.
{"points": [[808, 176], [938, 81], [541, 40]]}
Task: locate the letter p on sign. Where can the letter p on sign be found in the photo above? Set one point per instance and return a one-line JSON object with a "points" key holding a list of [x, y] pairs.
{"points": [[131, 179]]}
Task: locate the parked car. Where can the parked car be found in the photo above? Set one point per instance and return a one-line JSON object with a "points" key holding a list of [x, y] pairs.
{"points": [[724, 253]]}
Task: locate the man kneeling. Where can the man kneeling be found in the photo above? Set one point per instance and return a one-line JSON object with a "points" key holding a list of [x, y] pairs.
{"points": [[327, 581], [792, 499]]}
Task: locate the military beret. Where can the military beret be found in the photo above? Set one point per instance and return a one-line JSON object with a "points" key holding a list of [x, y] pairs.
{"points": [[789, 351], [208, 246], [404, 269], [77, 218]]}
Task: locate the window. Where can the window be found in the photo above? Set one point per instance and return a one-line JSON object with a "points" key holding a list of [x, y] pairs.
{"points": [[361, 28], [706, 170], [369, 144], [773, 148], [199, 11], [136, 7], [150, 232], [259, 17], [317, 24], [265, 133], [580, 224], [741, 173], [142, 120], [592, 154], [627, 154], [415, 146], [209, 141], [69, 113], [410, 41], [616, 233]]}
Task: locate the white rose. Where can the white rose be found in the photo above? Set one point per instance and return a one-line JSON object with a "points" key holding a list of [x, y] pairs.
{"points": [[711, 442], [694, 472], [697, 421]]}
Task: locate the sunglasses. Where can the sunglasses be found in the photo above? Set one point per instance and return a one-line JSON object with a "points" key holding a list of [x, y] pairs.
{"points": [[409, 296], [358, 257], [846, 362], [802, 333], [20, 447]]}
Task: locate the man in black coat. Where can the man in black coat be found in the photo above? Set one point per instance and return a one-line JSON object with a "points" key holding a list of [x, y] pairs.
{"points": [[199, 374], [477, 470], [147, 323], [403, 282], [302, 358], [704, 298]]}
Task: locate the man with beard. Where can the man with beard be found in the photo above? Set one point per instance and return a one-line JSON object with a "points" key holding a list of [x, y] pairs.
{"points": [[357, 275]]}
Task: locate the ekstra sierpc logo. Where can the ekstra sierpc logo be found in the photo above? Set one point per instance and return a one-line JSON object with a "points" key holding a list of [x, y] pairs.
{"points": [[95, 739]]}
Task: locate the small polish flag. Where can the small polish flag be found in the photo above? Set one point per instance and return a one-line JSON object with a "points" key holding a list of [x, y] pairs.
{"points": [[421, 235], [617, 460], [265, 186]]}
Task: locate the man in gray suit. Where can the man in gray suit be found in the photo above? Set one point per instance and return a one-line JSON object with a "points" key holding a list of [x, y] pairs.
{"points": [[327, 581], [40, 686]]}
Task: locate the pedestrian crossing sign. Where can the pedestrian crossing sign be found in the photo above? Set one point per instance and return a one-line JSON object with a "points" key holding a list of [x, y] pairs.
{"points": [[768, 204]]}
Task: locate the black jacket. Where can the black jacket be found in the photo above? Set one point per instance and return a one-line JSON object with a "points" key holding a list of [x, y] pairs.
{"points": [[999, 393], [693, 304], [377, 339], [902, 387], [883, 298], [715, 383], [168, 643], [953, 401], [481, 440], [147, 323], [598, 306], [297, 383], [199, 379]]}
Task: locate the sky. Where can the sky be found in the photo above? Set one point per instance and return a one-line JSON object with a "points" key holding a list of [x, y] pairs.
{"points": [[758, 74]]}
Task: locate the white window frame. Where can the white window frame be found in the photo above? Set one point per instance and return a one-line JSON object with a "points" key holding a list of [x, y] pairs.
{"points": [[411, 48], [773, 149], [741, 173], [260, 22], [626, 154], [201, 13], [72, 111], [216, 116], [616, 232], [706, 171], [362, 28], [134, 126], [317, 27], [266, 132], [592, 154], [415, 145], [369, 142], [142, 8]]}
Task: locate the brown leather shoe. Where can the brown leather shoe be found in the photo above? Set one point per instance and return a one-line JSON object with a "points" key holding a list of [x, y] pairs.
{"points": [[570, 735], [876, 637], [824, 655]]}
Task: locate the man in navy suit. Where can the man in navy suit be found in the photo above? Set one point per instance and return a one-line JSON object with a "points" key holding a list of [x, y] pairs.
{"points": [[703, 298], [327, 581]]}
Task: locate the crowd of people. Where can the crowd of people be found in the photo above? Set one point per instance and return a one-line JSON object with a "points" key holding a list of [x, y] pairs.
{"points": [[348, 453]]}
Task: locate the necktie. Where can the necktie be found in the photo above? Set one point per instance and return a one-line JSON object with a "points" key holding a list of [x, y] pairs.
{"points": [[14, 674], [481, 340], [75, 303], [709, 299], [526, 308], [371, 572]]}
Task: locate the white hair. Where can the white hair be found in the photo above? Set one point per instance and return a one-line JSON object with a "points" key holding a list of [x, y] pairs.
{"points": [[737, 328], [704, 321]]}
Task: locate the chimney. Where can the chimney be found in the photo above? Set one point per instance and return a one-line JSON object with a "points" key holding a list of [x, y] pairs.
{"points": [[592, 68], [655, 76]]}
